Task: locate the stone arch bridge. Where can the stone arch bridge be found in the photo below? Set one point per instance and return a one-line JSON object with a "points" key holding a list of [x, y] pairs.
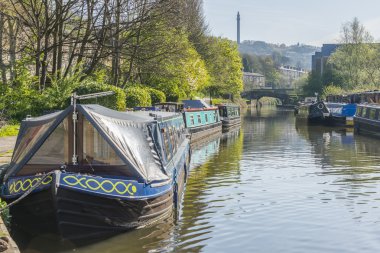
{"points": [[286, 96]]}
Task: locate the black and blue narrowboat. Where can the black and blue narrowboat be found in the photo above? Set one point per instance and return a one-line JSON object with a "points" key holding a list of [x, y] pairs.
{"points": [[89, 172], [367, 119], [230, 116]]}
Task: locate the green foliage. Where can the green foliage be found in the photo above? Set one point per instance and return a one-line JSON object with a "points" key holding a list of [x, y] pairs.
{"points": [[332, 90], [224, 66], [156, 96], [57, 96], [137, 96], [179, 74], [5, 215], [264, 65], [116, 101], [9, 130]]}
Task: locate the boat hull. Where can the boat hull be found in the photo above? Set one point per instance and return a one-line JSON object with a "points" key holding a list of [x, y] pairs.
{"points": [[198, 133], [82, 217], [230, 123], [367, 127]]}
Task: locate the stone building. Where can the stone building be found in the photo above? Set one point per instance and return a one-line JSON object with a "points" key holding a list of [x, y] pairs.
{"points": [[253, 81]]}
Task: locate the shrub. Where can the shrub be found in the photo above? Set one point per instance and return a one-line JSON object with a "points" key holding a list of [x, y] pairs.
{"points": [[9, 130], [136, 96], [116, 101], [19, 102], [156, 96]]}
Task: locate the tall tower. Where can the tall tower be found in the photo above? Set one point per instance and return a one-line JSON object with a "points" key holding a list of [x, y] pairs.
{"points": [[238, 28]]}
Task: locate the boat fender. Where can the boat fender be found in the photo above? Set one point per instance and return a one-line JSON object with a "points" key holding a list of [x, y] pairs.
{"points": [[175, 196], [320, 106]]}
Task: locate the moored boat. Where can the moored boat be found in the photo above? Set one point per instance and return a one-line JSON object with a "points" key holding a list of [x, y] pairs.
{"points": [[313, 113], [367, 119], [230, 116], [89, 172], [341, 114], [201, 119]]}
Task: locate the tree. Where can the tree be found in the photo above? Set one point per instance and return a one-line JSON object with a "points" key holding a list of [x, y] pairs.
{"points": [[224, 65], [356, 61]]}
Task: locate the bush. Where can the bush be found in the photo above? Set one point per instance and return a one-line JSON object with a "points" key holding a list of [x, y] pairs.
{"points": [[116, 101], [136, 96], [18, 102], [156, 96], [9, 130]]}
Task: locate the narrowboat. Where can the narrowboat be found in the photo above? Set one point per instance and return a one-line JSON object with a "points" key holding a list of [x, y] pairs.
{"points": [[89, 172], [341, 114], [312, 113], [201, 119], [367, 119], [230, 116], [285, 107]]}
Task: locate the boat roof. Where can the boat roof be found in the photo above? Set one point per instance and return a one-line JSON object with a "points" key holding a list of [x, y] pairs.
{"points": [[129, 134], [228, 105], [195, 104], [376, 106], [169, 103]]}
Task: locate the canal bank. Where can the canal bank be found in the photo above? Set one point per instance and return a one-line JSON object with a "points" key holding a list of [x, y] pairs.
{"points": [[7, 244]]}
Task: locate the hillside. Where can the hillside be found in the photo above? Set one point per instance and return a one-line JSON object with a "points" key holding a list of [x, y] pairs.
{"points": [[294, 55]]}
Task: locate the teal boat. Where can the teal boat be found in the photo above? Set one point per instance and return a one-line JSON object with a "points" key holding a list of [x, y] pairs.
{"points": [[201, 120]]}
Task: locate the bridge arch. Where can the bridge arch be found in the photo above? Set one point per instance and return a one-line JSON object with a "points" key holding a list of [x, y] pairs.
{"points": [[282, 94]]}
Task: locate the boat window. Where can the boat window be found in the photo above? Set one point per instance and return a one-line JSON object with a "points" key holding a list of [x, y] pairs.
{"points": [[359, 112], [96, 150], [206, 118], [55, 148], [192, 120], [221, 111], [31, 136], [166, 138], [372, 113], [173, 139], [199, 119], [378, 114]]}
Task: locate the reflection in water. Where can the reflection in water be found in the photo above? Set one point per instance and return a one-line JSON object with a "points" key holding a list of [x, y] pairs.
{"points": [[273, 186]]}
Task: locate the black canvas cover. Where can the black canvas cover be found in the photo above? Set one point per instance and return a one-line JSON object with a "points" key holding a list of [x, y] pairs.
{"points": [[133, 136], [129, 134], [33, 133]]}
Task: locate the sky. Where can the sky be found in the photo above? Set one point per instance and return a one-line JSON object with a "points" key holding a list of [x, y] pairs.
{"points": [[311, 22]]}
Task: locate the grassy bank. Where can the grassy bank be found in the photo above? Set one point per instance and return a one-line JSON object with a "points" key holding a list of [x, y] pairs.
{"points": [[9, 130]]}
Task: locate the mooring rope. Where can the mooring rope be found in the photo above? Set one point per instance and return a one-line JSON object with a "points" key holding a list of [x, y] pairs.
{"points": [[30, 190]]}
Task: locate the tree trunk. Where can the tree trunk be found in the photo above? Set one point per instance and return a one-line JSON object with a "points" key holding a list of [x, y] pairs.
{"points": [[13, 28], [2, 64]]}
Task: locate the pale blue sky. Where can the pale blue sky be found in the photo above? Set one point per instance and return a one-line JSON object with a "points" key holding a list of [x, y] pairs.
{"points": [[290, 21]]}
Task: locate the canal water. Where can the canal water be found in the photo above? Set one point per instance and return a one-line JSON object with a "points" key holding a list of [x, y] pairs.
{"points": [[272, 186]]}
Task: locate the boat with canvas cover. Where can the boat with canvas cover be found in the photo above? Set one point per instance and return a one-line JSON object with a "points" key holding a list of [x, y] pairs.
{"points": [[89, 172]]}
